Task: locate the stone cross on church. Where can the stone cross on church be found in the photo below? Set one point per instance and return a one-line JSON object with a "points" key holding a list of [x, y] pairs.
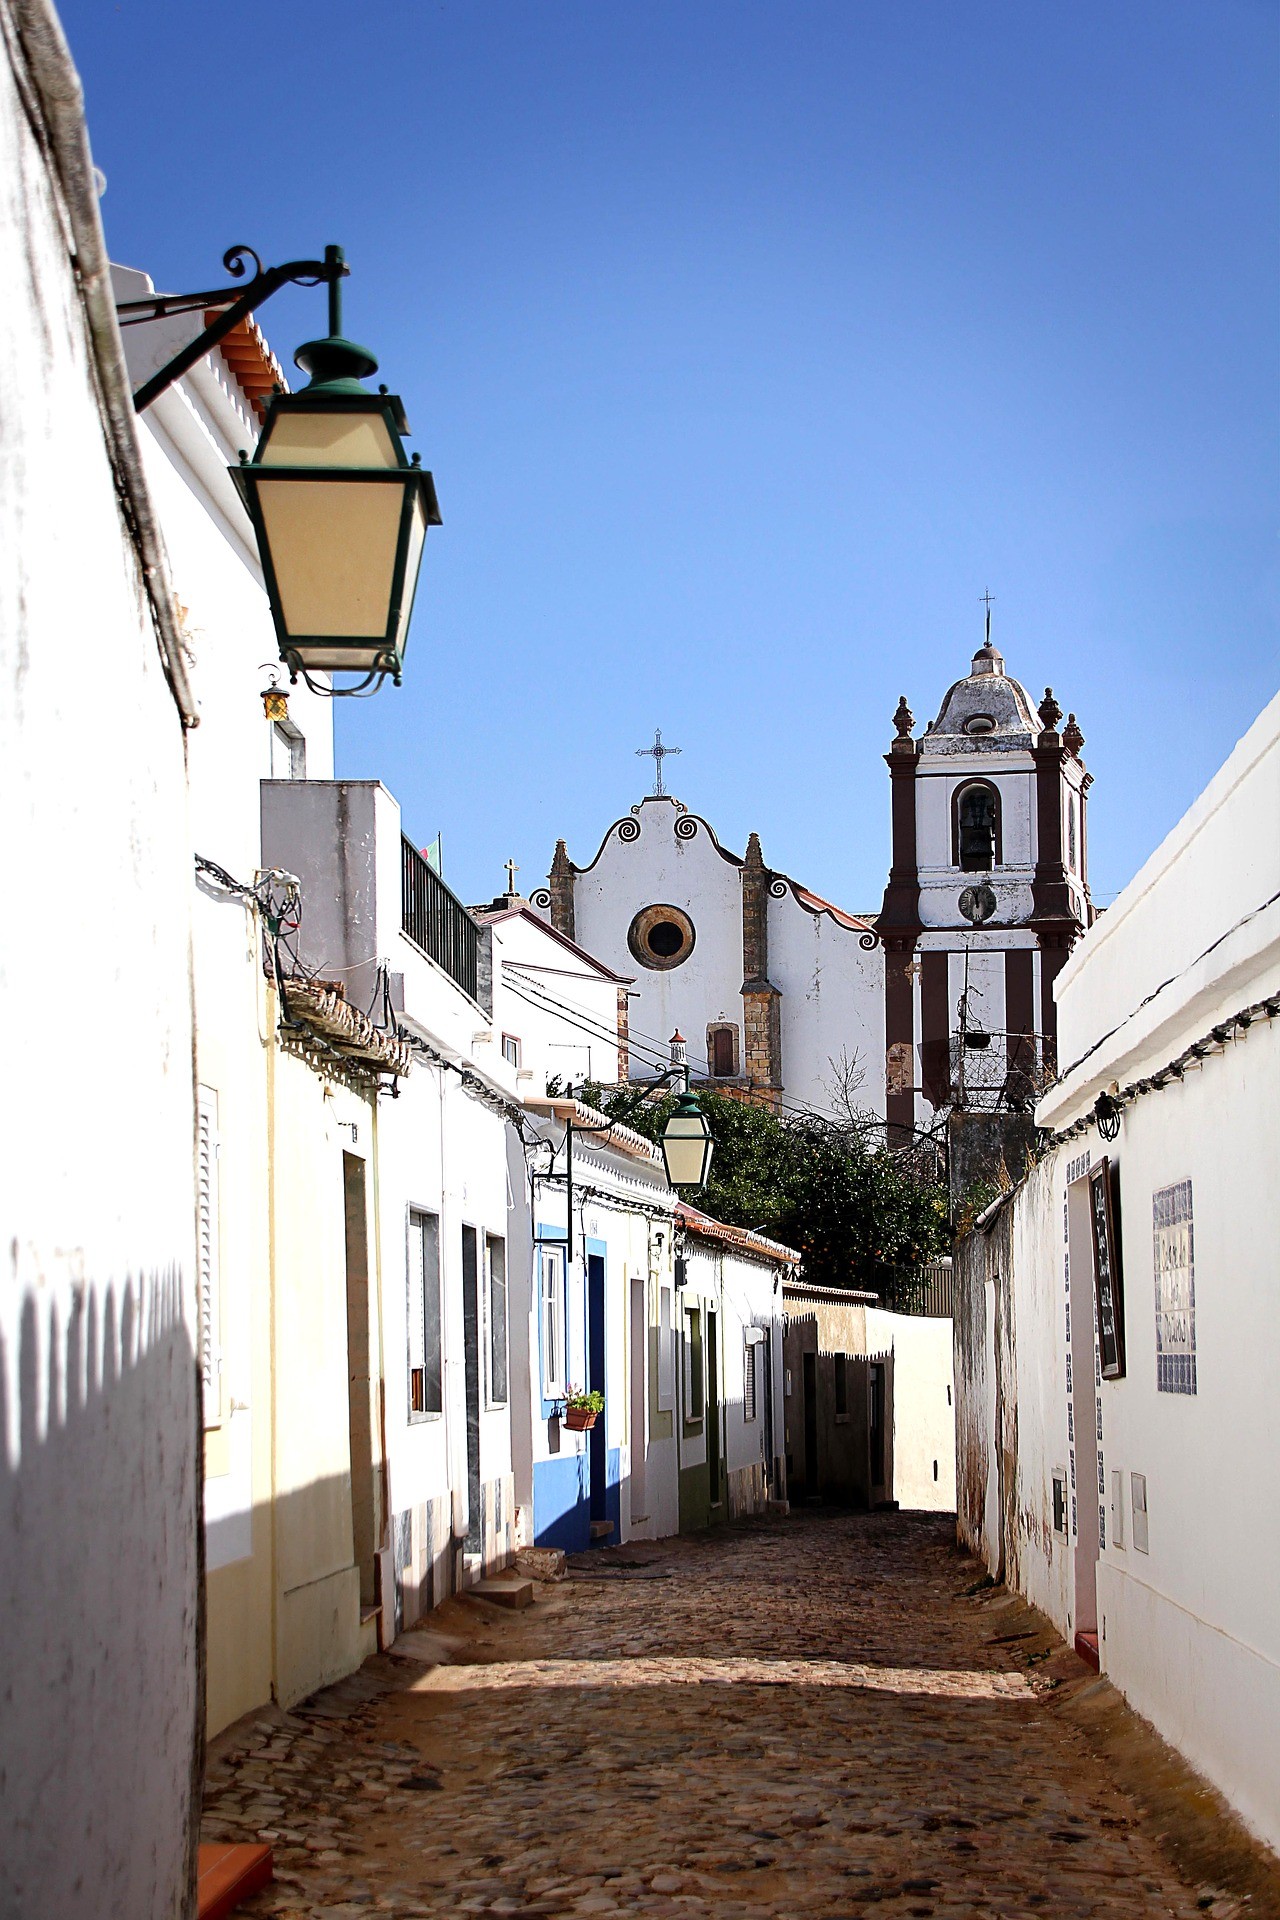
{"points": [[657, 753]]}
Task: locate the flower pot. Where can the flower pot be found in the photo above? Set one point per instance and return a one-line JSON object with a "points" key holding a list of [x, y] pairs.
{"points": [[580, 1419]]}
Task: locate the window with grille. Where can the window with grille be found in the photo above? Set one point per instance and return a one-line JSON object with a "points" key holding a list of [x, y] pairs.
{"points": [[749, 1380], [425, 1382], [551, 1320], [495, 1257], [208, 1255]]}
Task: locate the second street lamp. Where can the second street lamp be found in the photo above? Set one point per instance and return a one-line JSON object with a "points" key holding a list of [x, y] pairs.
{"points": [[340, 512], [687, 1145]]}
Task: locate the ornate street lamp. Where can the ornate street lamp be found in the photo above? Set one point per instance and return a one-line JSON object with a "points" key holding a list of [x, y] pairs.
{"points": [[687, 1145], [339, 510], [340, 513]]}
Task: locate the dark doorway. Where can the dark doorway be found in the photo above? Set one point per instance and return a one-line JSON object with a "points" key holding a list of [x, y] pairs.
{"points": [[471, 1350], [713, 1410], [595, 1383], [876, 1423], [359, 1384], [811, 1425], [764, 1358]]}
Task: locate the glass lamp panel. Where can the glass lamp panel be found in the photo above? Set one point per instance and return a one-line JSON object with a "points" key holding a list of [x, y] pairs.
{"points": [[328, 439], [333, 550], [686, 1148], [413, 558]]}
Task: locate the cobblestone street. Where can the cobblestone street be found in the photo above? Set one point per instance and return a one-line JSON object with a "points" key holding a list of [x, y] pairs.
{"points": [[820, 1715]]}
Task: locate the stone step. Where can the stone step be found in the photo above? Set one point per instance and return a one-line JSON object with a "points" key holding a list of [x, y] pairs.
{"points": [[229, 1875], [504, 1591]]}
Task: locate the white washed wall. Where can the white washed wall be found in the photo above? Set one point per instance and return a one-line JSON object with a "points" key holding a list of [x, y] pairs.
{"points": [[924, 1432], [1188, 1628], [659, 867], [99, 1646]]}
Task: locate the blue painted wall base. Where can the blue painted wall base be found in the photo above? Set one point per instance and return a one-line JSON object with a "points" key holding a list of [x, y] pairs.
{"points": [[562, 1500]]}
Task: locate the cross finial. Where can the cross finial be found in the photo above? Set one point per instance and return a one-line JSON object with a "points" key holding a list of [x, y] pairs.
{"points": [[987, 599], [657, 753], [512, 871]]}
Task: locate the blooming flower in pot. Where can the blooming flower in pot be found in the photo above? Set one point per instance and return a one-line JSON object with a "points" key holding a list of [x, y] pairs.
{"points": [[581, 1409]]}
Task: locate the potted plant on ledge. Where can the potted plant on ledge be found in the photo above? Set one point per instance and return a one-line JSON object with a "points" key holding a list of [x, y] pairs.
{"points": [[582, 1410]]}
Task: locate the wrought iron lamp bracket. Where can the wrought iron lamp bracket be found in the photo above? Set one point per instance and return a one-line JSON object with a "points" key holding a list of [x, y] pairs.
{"points": [[236, 304]]}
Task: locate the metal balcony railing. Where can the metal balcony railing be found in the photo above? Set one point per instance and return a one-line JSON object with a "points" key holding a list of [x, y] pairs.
{"points": [[436, 920]]}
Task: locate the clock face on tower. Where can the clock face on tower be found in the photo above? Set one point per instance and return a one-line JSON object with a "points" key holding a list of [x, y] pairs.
{"points": [[977, 904]]}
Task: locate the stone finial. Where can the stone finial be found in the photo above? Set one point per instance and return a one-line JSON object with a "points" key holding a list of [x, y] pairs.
{"points": [[1072, 738], [904, 720], [755, 856], [1050, 712], [562, 871]]}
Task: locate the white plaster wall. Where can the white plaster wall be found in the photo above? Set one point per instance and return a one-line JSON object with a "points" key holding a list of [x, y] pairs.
{"points": [[98, 1605], [658, 867], [1217, 868], [924, 1434], [1189, 1630], [751, 1296], [833, 1003], [189, 437], [563, 1012]]}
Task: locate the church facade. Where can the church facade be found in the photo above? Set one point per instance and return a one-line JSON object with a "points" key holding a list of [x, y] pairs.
{"points": [[942, 998]]}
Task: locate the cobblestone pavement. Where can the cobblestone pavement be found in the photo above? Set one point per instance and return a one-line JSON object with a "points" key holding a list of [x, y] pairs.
{"points": [[809, 1716]]}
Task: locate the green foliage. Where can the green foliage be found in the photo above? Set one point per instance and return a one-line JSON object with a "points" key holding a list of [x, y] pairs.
{"points": [[584, 1402], [824, 1187]]}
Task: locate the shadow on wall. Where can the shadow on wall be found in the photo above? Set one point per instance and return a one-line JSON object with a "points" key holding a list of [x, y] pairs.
{"points": [[100, 1686]]}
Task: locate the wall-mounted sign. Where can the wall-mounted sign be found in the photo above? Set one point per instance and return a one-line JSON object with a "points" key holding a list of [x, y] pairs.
{"points": [[1175, 1270], [1108, 1284]]}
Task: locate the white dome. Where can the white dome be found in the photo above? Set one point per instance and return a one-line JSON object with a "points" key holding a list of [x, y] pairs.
{"points": [[987, 708]]}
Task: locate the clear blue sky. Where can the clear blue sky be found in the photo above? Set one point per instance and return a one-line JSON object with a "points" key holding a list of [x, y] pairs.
{"points": [[749, 343]]}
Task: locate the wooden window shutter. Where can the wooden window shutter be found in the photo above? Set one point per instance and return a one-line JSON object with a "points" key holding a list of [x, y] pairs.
{"points": [[208, 1255]]}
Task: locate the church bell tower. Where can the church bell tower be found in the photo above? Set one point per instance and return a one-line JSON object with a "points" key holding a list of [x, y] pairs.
{"points": [[987, 894]]}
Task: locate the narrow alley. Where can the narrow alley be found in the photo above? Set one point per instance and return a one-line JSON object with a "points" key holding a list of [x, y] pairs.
{"points": [[821, 1715]]}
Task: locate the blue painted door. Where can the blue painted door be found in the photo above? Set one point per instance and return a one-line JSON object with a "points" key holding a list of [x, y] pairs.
{"points": [[596, 1382]]}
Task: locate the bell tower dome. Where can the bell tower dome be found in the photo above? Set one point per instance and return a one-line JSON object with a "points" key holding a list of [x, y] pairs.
{"points": [[987, 893]]}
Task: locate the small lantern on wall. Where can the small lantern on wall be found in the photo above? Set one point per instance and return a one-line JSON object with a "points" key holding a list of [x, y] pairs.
{"points": [[340, 513], [274, 697]]}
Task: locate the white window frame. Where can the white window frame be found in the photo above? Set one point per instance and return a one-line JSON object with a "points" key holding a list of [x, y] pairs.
{"points": [[417, 1284], [209, 1254], [512, 1051], [551, 1291], [493, 1397]]}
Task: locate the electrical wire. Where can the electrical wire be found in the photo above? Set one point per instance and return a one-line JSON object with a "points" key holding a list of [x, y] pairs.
{"points": [[1156, 991]]}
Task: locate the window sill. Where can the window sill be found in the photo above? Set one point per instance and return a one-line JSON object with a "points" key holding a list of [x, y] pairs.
{"points": [[422, 1419]]}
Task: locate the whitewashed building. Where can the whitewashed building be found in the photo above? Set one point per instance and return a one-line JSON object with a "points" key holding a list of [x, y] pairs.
{"points": [[725, 1390], [1117, 1433], [99, 1602], [777, 991]]}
